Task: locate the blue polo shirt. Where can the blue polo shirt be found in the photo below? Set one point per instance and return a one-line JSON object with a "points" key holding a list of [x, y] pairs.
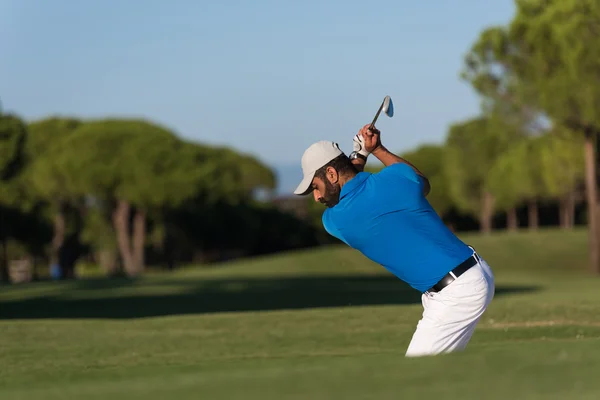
{"points": [[387, 218]]}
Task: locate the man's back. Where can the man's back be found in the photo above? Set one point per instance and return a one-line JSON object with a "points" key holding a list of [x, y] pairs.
{"points": [[387, 218]]}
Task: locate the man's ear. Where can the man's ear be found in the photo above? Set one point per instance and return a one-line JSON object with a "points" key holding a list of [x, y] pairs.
{"points": [[332, 175]]}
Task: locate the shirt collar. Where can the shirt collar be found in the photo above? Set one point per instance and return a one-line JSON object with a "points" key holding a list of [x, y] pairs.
{"points": [[353, 183]]}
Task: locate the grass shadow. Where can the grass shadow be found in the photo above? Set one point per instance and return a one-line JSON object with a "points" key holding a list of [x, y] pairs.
{"points": [[123, 299]]}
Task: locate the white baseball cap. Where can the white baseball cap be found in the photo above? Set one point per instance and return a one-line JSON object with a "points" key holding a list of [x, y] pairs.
{"points": [[315, 157]]}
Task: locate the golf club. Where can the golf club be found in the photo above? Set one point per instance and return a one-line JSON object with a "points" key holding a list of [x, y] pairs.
{"points": [[387, 107]]}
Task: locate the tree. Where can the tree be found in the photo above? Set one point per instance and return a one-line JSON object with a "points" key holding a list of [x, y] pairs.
{"points": [[237, 176], [551, 50], [473, 146], [509, 182], [134, 172], [13, 135], [226, 216], [559, 55], [562, 170], [130, 170], [489, 68], [44, 186], [13, 139], [517, 178]]}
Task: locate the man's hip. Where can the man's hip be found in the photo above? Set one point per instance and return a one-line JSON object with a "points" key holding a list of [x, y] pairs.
{"points": [[451, 314], [454, 274]]}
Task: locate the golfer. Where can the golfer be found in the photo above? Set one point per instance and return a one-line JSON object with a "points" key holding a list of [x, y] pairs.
{"points": [[387, 217]]}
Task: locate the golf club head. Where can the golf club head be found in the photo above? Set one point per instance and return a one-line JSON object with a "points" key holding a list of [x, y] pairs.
{"points": [[388, 106]]}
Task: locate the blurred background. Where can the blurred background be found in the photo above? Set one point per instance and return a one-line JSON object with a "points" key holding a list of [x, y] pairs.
{"points": [[148, 155], [149, 136]]}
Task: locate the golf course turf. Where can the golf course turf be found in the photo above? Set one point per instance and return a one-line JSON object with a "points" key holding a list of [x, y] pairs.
{"points": [[314, 324]]}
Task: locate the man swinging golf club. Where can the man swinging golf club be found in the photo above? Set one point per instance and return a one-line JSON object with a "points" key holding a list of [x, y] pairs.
{"points": [[387, 217]]}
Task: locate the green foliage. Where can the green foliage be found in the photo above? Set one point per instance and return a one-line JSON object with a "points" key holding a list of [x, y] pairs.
{"points": [[132, 160], [486, 70], [97, 230], [556, 49], [96, 159], [561, 162], [13, 135], [45, 134], [516, 175], [13, 138], [161, 172], [99, 162], [473, 146], [45, 179], [255, 174], [492, 68], [232, 176]]}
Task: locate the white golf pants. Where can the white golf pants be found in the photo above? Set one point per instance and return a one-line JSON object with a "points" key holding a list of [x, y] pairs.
{"points": [[451, 315]]}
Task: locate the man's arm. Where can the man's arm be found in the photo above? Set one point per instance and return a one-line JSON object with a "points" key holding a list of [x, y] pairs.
{"points": [[389, 158], [358, 148]]}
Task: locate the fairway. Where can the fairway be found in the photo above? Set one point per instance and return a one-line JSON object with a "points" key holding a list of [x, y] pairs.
{"points": [[316, 324]]}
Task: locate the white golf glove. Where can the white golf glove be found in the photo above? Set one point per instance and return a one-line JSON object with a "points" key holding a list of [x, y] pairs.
{"points": [[359, 146]]}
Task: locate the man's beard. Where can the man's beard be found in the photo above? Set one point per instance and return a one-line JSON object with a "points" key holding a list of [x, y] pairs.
{"points": [[332, 194]]}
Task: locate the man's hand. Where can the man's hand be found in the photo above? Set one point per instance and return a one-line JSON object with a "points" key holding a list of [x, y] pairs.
{"points": [[358, 145], [371, 138]]}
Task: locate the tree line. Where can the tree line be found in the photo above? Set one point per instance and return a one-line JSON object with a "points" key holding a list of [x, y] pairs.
{"points": [[128, 193]]}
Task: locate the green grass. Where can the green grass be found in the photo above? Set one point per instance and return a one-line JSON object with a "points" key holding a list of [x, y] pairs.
{"points": [[318, 324]]}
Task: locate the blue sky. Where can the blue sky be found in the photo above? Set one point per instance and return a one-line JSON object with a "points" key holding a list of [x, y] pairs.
{"points": [[265, 77]]}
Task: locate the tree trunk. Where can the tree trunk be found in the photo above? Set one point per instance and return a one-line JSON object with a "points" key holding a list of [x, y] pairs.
{"points": [[139, 240], [562, 214], [532, 215], [487, 210], [121, 225], [567, 211], [592, 199], [571, 209], [58, 241], [512, 220]]}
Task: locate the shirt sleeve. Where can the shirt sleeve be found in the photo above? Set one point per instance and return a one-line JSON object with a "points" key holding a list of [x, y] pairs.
{"points": [[330, 227], [403, 171]]}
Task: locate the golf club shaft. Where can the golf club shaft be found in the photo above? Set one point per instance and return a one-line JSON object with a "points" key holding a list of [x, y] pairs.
{"points": [[377, 115]]}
